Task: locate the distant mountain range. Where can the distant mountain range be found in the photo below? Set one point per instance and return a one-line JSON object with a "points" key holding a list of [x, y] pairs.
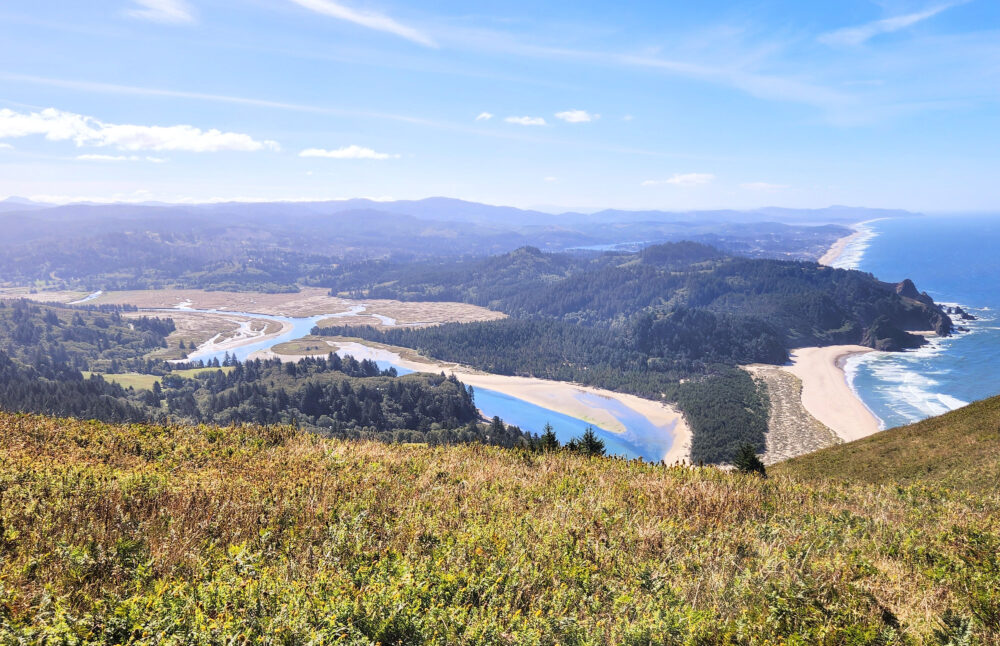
{"points": [[446, 209], [276, 245]]}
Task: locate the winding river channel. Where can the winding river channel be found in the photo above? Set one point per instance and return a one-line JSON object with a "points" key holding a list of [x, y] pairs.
{"points": [[641, 437]]}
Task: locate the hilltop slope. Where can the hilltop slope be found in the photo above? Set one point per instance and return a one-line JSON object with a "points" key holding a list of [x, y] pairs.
{"points": [[959, 450], [144, 534]]}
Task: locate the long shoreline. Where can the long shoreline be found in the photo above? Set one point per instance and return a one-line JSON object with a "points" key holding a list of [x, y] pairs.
{"points": [[827, 395], [560, 397], [826, 392], [837, 249]]}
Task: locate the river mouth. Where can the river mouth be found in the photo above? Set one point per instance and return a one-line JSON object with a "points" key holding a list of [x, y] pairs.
{"points": [[627, 432]]}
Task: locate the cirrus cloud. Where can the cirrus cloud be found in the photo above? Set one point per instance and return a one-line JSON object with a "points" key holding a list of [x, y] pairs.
{"points": [[860, 34], [57, 125], [368, 19], [484, 116], [164, 11], [682, 179], [347, 152]]}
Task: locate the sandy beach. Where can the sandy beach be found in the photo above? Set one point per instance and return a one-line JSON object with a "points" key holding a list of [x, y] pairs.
{"points": [[557, 396], [825, 393], [837, 248]]}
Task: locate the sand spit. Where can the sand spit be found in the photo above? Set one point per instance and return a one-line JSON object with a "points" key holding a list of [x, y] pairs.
{"points": [[557, 396], [825, 393]]}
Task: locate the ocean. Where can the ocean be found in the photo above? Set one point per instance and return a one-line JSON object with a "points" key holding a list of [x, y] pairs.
{"points": [[955, 259]]}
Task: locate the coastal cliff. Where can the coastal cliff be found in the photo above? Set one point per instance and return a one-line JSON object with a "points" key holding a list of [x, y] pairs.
{"points": [[896, 319]]}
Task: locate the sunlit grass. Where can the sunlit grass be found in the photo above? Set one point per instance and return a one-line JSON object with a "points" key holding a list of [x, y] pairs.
{"points": [[112, 534]]}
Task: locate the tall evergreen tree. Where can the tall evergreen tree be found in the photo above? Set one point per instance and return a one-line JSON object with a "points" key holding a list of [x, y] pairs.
{"points": [[548, 441], [588, 444]]}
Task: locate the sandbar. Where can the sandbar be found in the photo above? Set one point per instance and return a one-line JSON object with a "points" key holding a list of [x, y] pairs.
{"points": [[561, 397]]}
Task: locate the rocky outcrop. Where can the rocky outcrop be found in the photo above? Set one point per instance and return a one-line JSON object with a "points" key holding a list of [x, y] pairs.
{"points": [[885, 335], [916, 310], [960, 313]]}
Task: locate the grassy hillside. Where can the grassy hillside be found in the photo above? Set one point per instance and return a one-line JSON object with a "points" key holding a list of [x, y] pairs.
{"points": [[959, 450], [143, 534]]}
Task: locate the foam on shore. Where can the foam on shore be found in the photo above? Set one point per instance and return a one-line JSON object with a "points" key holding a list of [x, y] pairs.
{"points": [[826, 393], [846, 253]]}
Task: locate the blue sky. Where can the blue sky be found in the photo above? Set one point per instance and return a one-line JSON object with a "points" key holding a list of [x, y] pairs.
{"points": [[673, 105]]}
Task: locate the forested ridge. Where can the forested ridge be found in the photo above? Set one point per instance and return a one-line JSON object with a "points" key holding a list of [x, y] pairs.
{"points": [[804, 303], [45, 349], [671, 322]]}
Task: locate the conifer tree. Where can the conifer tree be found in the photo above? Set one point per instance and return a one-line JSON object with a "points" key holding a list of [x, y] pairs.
{"points": [[548, 441], [746, 461]]}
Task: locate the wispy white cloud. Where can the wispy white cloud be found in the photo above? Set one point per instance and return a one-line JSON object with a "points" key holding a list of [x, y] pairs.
{"points": [[6, 147], [763, 187], [577, 116], [526, 121], [56, 125], [682, 179], [368, 19], [764, 86], [465, 128], [347, 152], [628, 117], [120, 158], [137, 90], [739, 71], [164, 11], [860, 34], [550, 178], [484, 116]]}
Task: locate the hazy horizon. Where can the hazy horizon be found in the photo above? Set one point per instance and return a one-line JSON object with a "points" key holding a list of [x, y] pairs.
{"points": [[651, 106]]}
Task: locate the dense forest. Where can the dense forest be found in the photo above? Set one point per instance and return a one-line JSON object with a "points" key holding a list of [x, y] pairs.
{"points": [[44, 350], [803, 303], [671, 322]]}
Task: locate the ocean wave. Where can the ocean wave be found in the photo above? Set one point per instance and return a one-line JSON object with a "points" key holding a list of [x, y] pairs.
{"points": [[854, 251], [905, 383], [850, 369]]}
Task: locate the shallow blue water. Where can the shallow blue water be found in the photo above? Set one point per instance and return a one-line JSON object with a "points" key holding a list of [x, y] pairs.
{"points": [[955, 259], [300, 327], [642, 439]]}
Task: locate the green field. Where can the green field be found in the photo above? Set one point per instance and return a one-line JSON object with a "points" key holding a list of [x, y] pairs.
{"points": [[145, 382], [205, 535]]}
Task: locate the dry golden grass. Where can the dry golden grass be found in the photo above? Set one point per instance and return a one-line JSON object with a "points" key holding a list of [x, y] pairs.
{"points": [[147, 534]]}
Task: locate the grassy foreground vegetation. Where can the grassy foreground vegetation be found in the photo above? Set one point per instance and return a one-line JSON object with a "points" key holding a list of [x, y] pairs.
{"points": [[208, 535], [959, 450]]}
